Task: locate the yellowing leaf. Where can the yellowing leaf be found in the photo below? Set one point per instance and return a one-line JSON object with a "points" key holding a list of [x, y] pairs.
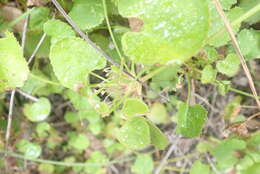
{"points": [[13, 67], [169, 26], [158, 114]]}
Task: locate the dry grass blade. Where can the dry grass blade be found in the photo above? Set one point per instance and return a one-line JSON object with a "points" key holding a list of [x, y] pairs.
{"points": [[237, 48]]}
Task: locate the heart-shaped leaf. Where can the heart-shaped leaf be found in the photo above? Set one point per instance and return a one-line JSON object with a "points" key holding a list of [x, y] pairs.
{"points": [[135, 133], [38, 111], [190, 120]]}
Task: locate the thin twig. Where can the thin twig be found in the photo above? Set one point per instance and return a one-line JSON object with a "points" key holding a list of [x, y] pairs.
{"points": [[10, 116], [25, 31], [211, 164], [37, 48], [164, 160], [206, 102], [27, 95], [237, 49]]}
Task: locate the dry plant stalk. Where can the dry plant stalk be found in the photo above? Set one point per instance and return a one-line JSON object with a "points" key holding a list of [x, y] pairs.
{"points": [[237, 48]]}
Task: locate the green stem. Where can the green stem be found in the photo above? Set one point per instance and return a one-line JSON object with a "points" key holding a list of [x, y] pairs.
{"points": [[98, 76], [189, 89], [112, 35], [60, 163], [242, 92], [245, 16], [153, 73]]}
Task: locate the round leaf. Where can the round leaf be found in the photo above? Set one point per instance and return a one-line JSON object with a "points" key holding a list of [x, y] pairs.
{"points": [[87, 13], [38, 111], [135, 133], [72, 60], [158, 114], [229, 66], [208, 74], [79, 142], [143, 164], [29, 149], [168, 27]]}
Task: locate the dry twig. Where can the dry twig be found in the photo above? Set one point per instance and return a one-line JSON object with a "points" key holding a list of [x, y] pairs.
{"points": [[237, 48]]}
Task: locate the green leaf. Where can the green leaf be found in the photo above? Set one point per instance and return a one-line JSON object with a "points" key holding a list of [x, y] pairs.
{"points": [[134, 107], [38, 17], [198, 168], [143, 164], [42, 129], [211, 53], [249, 41], [158, 114], [158, 139], [229, 66], [87, 14], [208, 74], [95, 157], [71, 117], [79, 141], [191, 120], [38, 111], [245, 163], [254, 169], [57, 30], [72, 60], [29, 149], [167, 79], [135, 133], [13, 67], [227, 4], [232, 108], [32, 39], [225, 152], [46, 168], [217, 24], [247, 5], [223, 87], [254, 140], [167, 30]]}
